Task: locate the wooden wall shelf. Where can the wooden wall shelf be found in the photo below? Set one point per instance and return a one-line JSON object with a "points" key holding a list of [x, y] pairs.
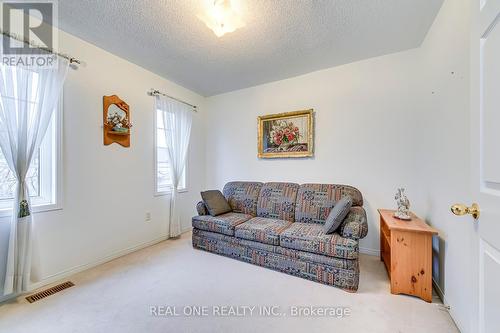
{"points": [[115, 113]]}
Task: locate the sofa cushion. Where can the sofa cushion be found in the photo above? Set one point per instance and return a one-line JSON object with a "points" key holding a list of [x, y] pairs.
{"points": [[223, 224], [215, 202], [201, 208], [310, 237], [250, 245], [337, 215], [262, 230], [277, 201], [355, 225], [314, 201], [243, 196]]}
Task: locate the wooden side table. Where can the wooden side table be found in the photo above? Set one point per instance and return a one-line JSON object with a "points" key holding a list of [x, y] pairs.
{"points": [[406, 250]]}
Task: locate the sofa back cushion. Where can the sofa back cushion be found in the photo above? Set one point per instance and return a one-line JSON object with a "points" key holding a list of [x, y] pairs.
{"points": [[277, 200], [243, 196], [314, 201], [215, 202]]}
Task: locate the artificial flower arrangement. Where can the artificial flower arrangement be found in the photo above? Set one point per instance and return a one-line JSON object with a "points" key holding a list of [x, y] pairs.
{"points": [[118, 124]]}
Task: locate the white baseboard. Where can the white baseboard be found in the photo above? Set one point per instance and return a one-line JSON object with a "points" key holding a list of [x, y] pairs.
{"points": [[77, 269], [371, 252], [457, 322], [64, 274], [453, 316], [436, 286], [5, 298], [438, 290]]}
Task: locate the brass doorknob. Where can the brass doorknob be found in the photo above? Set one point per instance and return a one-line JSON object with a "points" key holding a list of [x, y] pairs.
{"points": [[459, 209]]}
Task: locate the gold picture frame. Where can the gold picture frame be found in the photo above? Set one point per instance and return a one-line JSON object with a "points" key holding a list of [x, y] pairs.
{"points": [[286, 135]]}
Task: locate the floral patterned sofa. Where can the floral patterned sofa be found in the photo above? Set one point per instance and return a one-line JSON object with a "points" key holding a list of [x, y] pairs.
{"points": [[279, 226]]}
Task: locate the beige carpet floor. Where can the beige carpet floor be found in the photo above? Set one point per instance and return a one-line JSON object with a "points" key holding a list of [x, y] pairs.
{"points": [[118, 296]]}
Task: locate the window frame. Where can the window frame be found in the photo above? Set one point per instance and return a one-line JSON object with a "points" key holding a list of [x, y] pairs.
{"points": [[50, 187], [167, 190]]}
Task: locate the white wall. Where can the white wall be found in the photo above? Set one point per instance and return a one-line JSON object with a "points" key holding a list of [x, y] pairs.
{"points": [[364, 136], [395, 120], [445, 167], [107, 189]]}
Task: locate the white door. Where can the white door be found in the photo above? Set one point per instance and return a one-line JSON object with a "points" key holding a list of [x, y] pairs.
{"points": [[485, 148]]}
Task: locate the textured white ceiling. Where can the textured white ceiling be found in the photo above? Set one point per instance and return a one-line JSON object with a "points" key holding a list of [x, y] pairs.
{"points": [[281, 39]]}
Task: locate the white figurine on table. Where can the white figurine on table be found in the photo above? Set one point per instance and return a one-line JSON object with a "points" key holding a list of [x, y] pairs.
{"points": [[403, 212]]}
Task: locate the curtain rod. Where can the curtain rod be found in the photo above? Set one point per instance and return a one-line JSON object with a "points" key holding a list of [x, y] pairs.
{"points": [[72, 60], [154, 92]]}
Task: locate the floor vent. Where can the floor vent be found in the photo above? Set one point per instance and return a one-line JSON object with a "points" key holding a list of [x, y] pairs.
{"points": [[51, 291]]}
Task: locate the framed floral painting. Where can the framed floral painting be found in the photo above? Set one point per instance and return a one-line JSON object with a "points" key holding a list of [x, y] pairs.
{"points": [[288, 134]]}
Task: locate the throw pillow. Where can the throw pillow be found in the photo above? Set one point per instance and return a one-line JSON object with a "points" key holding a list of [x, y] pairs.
{"points": [[215, 202], [337, 215]]}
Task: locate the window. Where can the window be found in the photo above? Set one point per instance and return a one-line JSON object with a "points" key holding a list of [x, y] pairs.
{"points": [[43, 175], [163, 171]]}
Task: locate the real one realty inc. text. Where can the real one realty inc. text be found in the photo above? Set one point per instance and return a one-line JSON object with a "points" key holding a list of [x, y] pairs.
{"points": [[248, 311]]}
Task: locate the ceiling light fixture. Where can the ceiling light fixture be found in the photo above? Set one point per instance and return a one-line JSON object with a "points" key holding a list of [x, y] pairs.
{"points": [[222, 16]]}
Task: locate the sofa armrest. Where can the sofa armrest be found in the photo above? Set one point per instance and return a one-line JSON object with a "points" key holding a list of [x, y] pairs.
{"points": [[201, 208], [355, 225]]}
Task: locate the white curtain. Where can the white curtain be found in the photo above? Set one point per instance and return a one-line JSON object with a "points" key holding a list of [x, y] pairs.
{"points": [[177, 118], [28, 97]]}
